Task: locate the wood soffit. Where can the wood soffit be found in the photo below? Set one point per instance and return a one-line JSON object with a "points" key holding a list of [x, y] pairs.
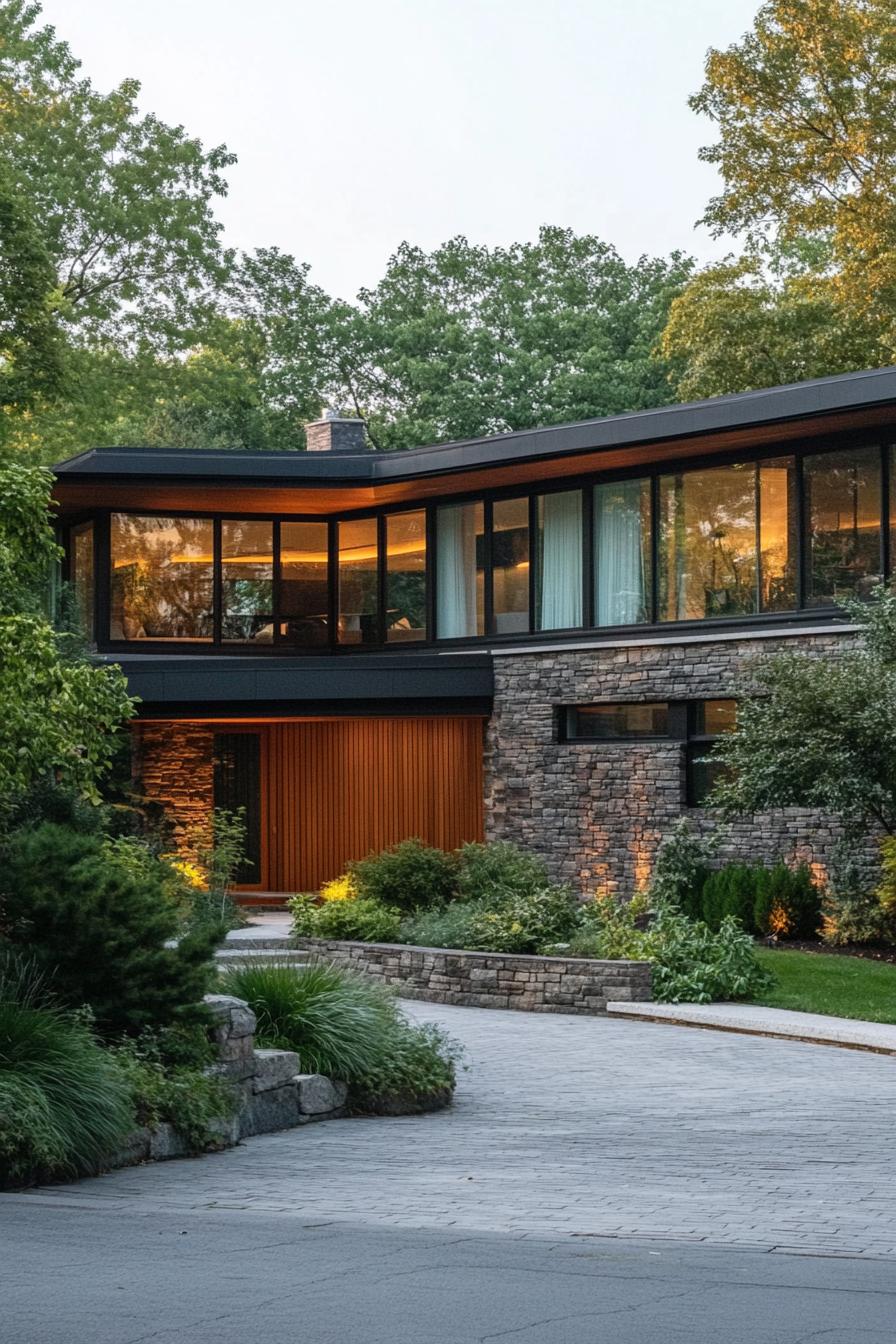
{"points": [[74, 496]]}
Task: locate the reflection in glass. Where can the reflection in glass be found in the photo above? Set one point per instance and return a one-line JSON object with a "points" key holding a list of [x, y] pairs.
{"points": [[247, 582], [460, 582], [510, 565], [558, 581], [304, 587], [161, 578], [622, 552], [843, 499], [712, 717], [707, 543], [595, 722], [81, 571], [406, 576], [778, 534], [358, 581]]}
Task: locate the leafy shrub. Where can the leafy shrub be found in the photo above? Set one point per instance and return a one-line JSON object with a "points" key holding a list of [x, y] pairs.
{"points": [[731, 892], [854, 908], [363, 918], [187, 1098], [487, 872], [408, 876], [506, 922], [345, 1027], [101, 929], [691, 963], [788, 903], [64, 1105], [680, 869]]}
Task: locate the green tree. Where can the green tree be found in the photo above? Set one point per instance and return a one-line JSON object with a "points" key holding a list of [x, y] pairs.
{"points": [[60, 713], [820, 732], [805, 108]]}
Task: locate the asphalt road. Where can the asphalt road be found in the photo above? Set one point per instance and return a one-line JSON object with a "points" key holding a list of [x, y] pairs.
{"points": [[107, 1275]]}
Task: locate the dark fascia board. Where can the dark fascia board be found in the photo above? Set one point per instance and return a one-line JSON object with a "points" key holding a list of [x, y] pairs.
{"points": [[224, 682], [821, 396]]}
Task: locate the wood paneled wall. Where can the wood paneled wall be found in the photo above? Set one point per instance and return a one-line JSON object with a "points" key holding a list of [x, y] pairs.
{"points": [[335, 790]]}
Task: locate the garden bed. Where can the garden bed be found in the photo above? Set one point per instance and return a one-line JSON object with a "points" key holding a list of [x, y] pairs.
{"points": [[491, 979]]}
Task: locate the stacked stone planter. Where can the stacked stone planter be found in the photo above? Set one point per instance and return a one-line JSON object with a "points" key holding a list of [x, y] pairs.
{"points": [[491, 979]]}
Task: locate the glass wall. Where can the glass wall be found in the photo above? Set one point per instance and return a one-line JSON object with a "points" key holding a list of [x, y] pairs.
{"points": [[406, 577], [460, 571], [304, 585], [558, 577], [358, 581], [82, 575], [707, 544], [778, 534], [622, 568], [510, 565], [162, 578], [843, 520], [247, 582]]}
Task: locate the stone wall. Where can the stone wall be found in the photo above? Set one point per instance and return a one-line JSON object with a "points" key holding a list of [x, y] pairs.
{"points": [[174, 768], [491, 979], [596, 811]]}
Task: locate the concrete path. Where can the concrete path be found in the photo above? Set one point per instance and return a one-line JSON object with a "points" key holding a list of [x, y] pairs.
{"points": [[578, 1129], [817, 1028]]}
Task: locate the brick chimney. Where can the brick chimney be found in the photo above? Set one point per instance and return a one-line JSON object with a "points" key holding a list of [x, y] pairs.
{"points": [[336, 433]]}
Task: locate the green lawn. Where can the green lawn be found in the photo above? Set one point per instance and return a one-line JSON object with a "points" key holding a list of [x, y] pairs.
{"points": [[811, 982]]}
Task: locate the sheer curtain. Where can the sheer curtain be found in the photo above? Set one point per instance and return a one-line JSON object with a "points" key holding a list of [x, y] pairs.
{"points": [[620, 591], [560, 571], [456, 610]]}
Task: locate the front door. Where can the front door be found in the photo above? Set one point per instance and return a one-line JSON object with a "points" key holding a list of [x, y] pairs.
{"points": [[238, 787]]}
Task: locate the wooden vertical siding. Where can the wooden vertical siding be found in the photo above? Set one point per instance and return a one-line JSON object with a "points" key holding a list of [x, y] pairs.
{"points": [[338, 789]]}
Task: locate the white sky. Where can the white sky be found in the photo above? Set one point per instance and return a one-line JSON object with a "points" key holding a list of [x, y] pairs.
{"points": [[359, 123]]}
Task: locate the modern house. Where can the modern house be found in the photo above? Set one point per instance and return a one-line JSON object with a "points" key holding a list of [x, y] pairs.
{"points": [[531, 636]]}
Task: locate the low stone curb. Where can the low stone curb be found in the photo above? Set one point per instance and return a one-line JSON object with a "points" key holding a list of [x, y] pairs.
{"points": [[775, 1023]]}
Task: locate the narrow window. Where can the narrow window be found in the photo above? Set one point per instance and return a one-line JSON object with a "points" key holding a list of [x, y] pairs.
{"points": [[162, 578], [558, 585], [843, 509], [510, 565], [82, 576], [778, 535], [405, 577], [622, 578], [304, 583], [358, 581], [247, 582], [621, 722], [460, 572], [708, 720]]}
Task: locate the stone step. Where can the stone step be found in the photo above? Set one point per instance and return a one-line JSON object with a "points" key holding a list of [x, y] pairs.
{"points": [[245, 942], [271, 956]]}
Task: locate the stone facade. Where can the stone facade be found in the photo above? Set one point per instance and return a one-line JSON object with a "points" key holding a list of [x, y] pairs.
{"points": [[490, 979], [174, 769], [596, 811]]}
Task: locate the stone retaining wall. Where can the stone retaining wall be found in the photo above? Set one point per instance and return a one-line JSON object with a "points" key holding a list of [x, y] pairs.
{"points": [[491, 979]]}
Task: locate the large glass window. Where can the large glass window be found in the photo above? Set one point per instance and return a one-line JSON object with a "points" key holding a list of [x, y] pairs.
{"points": [[82, 575], [622, 579], [304, 583], [707, 543], [843, 508], [558, 577], [247, 582], [358, 581], [778, 535], [460, 581], [162, 578], [510, 565], [406, 577]]}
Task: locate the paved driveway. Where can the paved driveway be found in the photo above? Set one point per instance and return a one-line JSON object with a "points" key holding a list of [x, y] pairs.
{"points": [[571, 1127]]}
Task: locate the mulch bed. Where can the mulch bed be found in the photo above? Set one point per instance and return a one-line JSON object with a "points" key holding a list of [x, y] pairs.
{"points": [[887, 954]]}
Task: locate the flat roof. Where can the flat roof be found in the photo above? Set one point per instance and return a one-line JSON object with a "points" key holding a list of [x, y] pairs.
{"points": [[872, 388]]}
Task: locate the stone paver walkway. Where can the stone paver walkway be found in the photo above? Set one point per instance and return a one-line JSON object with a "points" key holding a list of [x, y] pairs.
{"points": [[584, 1127]]}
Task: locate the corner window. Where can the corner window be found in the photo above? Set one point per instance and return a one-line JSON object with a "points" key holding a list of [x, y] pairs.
{"points": [[162, 578]]}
